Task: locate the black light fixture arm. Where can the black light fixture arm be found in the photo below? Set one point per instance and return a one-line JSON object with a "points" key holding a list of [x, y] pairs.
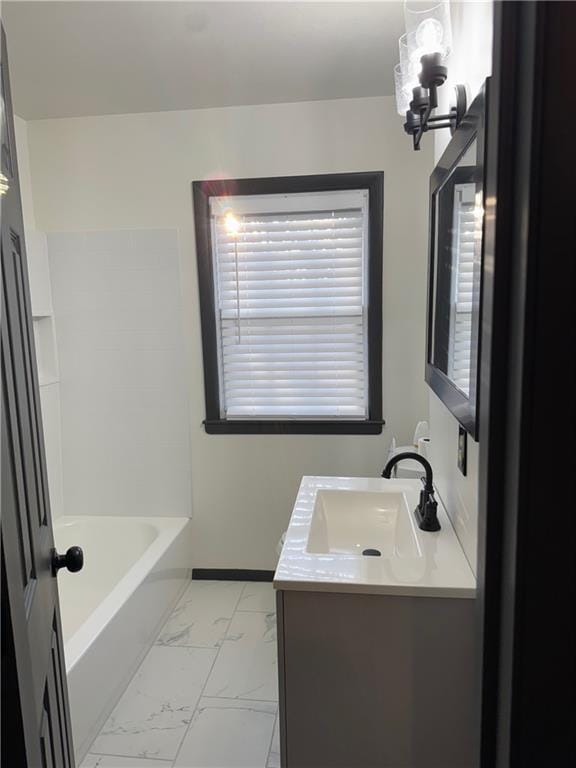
{"points": [[419, 118]]}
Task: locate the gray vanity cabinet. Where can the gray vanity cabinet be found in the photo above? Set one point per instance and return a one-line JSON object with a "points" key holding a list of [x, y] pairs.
{"points": [[375, 681]]}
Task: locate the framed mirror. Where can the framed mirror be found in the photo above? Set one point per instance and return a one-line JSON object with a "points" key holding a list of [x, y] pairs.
{"points": [[455, 268]]}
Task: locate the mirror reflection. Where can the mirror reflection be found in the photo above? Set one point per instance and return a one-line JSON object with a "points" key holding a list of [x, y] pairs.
{"points": [[459, 215]]}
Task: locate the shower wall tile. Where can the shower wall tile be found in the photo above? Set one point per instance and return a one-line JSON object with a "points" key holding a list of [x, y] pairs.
{"points": [[116, 241], [52, 424], [41, 301], [125, 424]]}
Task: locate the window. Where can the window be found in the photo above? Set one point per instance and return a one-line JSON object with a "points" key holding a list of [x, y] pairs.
{"points": [[291, 301]]}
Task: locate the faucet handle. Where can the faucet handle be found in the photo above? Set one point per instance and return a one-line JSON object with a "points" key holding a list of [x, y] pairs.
{"points": [[424, 482], [428, 516]]}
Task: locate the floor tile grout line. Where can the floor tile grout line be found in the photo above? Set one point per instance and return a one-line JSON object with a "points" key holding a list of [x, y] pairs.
{"points": [[154, 645], [256, 610], [208, 676], [195, 647], [244, 698], [253, 610], [170, 615], [150, 760], [235, 610], [218, 648], [241, 698], [271, 741], [277, 703], [149, 651], [219, 644], [267, 760], [132, 678], [181, 742]]}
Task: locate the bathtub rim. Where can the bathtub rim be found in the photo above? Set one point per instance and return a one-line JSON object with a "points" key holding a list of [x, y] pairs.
{"points": [[168, 529]]}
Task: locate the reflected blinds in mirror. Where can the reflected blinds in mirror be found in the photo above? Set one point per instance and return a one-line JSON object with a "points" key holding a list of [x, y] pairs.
{"points": [[464, 224]]}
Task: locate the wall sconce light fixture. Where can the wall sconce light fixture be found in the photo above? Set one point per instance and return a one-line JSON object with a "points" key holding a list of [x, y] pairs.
{"points": [[422, 69]]}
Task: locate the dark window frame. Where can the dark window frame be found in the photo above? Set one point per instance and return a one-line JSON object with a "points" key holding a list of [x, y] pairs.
{"points": [[202, 191]]}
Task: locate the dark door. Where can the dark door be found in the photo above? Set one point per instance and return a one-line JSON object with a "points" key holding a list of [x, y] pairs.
{"points": [[35, 718], [527, 535]]}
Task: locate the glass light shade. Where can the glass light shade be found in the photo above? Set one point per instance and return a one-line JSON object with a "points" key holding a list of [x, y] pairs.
{"points": [[403, 94], [411, 68], [428, 28]]}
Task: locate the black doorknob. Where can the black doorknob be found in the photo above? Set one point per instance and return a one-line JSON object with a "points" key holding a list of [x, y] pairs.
{"points": [[73, 560]]}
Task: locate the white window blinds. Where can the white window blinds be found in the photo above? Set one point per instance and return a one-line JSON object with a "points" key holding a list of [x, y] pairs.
{"points": [[290, 284], [465, 242]]}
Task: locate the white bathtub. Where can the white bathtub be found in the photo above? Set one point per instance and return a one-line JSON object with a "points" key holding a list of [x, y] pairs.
{"points": [[135, 568]]}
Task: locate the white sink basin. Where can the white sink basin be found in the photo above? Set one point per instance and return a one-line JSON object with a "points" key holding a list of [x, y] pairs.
{"points": [[335, 519], [363, 523]]}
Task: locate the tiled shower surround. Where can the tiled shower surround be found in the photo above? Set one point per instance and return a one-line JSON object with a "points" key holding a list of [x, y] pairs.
{"points": [[124, 406], [206, 694]]}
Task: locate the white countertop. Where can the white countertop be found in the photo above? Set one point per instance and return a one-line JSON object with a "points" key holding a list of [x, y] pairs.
{"points": [[439, 569]]}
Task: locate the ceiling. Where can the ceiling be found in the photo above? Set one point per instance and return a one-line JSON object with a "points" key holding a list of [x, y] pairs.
{"points": [[71, 59]]}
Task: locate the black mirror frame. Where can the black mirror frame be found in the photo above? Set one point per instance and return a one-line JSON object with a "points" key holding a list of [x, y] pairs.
{"points": [[464, 409]]}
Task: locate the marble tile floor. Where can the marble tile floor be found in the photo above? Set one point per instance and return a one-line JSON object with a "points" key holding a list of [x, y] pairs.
{"points": [[206, 695]]}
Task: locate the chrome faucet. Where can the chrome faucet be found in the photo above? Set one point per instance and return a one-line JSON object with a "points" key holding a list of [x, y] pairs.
{"points": [[426, 511]]}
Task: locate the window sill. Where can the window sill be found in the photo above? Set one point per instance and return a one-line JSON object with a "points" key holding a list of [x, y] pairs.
{"points": [[304, 427]]}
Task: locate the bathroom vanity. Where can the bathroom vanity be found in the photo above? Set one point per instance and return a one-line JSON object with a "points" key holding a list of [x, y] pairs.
{"points": [[375, 631]]}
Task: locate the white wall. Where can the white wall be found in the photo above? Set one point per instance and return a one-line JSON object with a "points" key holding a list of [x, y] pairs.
{"points": [[22, 154], [41, 299], [459, 493], [134, 171], [470, 63]]}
